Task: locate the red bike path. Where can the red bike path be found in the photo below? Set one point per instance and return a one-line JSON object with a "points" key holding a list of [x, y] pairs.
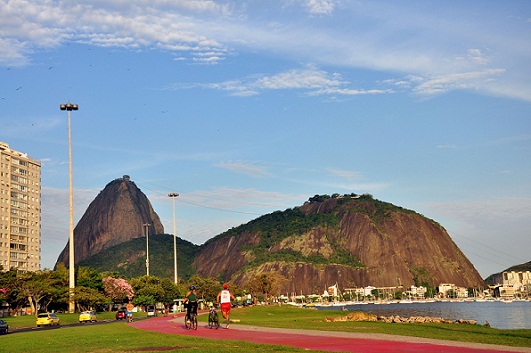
{"points": [[320, 340]]}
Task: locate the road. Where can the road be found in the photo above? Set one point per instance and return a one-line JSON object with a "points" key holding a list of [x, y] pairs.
{"points": [[34, 328]]}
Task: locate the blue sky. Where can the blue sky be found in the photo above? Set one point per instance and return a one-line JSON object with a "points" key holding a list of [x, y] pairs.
{"points": [[248, 107]]}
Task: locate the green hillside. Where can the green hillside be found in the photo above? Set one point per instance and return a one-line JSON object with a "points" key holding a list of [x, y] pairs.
{"points": [[129, 258], [522, 267]]}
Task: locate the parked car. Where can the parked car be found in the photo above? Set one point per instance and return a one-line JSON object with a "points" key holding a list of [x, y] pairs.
{"points": [[121, 315], [48, 319], [87, 316], [151, 311], [4, 327]]}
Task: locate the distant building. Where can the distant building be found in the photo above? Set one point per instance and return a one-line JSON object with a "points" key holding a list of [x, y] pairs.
{"points": [[417, 291], [450, 290], [461, 292], [332, 291], [367, 291], [20, 210], [520, 280], [444, 288]]}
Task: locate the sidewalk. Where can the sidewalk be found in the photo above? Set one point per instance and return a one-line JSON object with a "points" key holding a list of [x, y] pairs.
{"points": [[321, 340]]}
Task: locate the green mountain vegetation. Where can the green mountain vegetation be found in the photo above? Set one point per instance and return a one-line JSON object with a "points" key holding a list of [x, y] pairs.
{"points": [[522, 267], [129, 259]]}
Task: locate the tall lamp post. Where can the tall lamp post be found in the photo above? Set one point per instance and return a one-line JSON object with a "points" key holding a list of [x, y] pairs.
{"points": [[71, 305], [146, 226], [173, 196]]}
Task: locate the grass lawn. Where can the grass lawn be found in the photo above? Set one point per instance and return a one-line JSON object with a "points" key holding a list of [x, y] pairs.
{"points": [[119, 337], [29, 320]]}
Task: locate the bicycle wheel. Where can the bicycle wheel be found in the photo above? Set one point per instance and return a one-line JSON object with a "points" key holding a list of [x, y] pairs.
{"points": [[187, 322], [194, 321]]}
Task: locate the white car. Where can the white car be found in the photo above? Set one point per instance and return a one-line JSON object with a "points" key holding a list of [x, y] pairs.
{"points": [[151, 311]]}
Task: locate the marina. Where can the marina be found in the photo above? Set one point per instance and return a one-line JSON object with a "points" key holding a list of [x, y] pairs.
{"points": [[499, 314]]}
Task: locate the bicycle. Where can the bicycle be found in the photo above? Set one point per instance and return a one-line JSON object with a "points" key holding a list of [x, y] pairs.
{"points": [[190, 322], [213, 320]]}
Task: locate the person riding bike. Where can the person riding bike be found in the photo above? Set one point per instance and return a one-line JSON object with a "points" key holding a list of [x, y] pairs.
{"points": [[191, 302]]}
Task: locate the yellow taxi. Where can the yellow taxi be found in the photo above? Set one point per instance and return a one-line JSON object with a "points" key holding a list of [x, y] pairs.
{"points": [[47, 319], [87, 316]]}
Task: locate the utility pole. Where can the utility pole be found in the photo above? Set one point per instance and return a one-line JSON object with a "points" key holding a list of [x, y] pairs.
{"points": [[146, 226], [71, 263], [173, 195]]}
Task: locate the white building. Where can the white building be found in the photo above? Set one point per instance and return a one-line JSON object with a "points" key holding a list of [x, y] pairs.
{"points": [[417, 291], [519, 280], [20, 210]]}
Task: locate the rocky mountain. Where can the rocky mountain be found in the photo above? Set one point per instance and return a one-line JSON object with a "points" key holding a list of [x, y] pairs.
{"points": [[350, 240], [116, 215]]}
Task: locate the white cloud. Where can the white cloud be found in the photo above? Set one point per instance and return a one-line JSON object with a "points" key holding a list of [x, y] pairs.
{"points": [[448, 52], [321, 7], [313, 81], [454, 81], [244, 168], [348, 174], [227, 197], [29, 25]]}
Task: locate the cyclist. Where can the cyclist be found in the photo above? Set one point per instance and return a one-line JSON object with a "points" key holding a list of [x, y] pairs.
{"points": [[224, 297], [191, 302]]}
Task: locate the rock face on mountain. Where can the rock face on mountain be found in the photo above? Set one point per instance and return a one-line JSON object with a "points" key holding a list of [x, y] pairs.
{"points": [[115, 216], [351, 240]]}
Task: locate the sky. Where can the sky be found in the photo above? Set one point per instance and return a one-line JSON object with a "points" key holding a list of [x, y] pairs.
{"points": [[249, 107]]}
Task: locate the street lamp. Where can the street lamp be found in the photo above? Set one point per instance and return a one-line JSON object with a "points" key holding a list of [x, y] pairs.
{"points": [[71, 305], [173, 196], [146, 226]]}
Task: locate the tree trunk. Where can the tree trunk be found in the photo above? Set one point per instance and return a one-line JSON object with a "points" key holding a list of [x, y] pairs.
{"points": [[33, 308]]}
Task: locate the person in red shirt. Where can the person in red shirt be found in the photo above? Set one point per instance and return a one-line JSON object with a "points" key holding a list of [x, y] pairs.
{"points": [[224, 298]]}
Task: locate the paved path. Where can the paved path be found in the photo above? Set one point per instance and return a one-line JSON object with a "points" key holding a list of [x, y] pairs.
{"points": [[321, 340]]}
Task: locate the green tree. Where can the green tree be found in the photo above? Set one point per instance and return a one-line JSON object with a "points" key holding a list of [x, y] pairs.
{"points": [[207, 287], [42, 287], [148, 290], [171, 292], [267, 285], [88, 298], [89, 278], [12, 290], [144, 300]]}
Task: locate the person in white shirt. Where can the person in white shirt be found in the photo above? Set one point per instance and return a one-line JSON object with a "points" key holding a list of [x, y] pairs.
{"points": [[224, 298]]}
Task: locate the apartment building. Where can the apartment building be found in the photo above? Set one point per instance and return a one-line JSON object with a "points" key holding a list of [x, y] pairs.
{"points": [[519, 279], [20, 210]]}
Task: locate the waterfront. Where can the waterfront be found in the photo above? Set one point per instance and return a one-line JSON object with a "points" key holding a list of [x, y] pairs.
{"points": [[513, 315]]}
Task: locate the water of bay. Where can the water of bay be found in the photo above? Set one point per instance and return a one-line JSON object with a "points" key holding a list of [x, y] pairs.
{"points": [[513, 315]]}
